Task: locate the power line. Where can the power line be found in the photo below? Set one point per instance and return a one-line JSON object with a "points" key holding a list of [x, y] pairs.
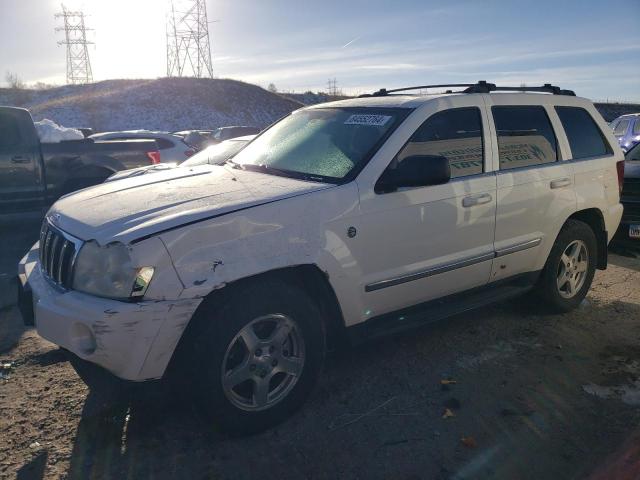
{"points": [[188, 48], [75, 38], [332, 88]]}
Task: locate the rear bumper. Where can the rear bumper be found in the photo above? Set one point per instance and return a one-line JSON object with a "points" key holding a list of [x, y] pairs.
{"points": [[133, 341], [630, 216], [622, 234]]}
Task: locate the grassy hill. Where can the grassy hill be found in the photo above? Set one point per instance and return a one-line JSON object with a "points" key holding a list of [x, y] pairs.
{"points": [[162, 104]]}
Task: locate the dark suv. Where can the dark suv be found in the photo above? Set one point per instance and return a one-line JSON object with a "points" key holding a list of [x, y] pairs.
{"points": [[629, 230]]}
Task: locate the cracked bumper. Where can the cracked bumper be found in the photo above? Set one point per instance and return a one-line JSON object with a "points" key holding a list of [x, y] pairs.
{"points": [[134, 341]]}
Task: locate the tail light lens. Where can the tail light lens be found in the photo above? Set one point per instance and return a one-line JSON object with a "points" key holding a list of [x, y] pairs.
{"points": [[154, 157], [620, 169], [189, 152]]}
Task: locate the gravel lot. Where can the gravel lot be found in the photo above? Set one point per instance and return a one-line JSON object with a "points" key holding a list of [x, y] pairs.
{"points": [[525, 396]]}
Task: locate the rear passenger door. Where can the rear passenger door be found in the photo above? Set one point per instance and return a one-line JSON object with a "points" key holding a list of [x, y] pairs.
{"points": [[534, 185], [592, 160]]}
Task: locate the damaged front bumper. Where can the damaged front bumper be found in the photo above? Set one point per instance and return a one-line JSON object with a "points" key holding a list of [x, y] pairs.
{"points": [[133, 341]]}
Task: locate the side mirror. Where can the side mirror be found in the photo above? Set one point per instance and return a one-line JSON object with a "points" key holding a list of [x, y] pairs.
{"points": [[415, 171]]}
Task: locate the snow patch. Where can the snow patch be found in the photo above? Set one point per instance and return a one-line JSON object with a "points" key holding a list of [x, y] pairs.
{"points": [[50, 132]]}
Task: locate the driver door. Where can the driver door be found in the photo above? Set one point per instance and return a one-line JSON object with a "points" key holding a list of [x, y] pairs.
{"points": [[422, 243]]}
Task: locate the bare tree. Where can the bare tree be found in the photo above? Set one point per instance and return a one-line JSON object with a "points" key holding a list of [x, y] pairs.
{"points": [[14, 81], [272, 88]]}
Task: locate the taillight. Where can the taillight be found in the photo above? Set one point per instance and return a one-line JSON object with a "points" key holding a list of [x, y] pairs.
{"points": [[154, 157], [189, 152], [620, 169]]}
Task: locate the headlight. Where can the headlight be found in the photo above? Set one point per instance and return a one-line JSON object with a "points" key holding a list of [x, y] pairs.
{"points": [[108, 272]]}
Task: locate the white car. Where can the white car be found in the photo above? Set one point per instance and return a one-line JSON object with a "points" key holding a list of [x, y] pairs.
{"points": [[172, 147], [213, 155], [355, 217]]}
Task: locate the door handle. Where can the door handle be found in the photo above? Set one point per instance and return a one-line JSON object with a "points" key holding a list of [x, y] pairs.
{"points": [[19, 159], [474, 200], [562, 182]]}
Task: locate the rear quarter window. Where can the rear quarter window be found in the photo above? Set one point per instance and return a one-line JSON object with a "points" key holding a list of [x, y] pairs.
{"points": [[585, 137], [163, 143]]}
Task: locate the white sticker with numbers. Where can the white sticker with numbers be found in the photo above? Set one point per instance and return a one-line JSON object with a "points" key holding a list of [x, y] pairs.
{"points": [[364, 119]]}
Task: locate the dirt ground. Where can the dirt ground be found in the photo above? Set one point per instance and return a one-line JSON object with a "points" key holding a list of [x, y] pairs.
{"points": [[525, 396]]}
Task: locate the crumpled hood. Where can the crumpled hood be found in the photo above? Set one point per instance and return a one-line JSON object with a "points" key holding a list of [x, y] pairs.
{"points": [[135, 207]]}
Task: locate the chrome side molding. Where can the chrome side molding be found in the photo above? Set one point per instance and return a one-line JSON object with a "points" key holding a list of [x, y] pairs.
{"points": [[372, 287]]}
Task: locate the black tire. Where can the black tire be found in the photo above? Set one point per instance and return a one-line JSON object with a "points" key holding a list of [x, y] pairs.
{"points": [[547, 289], [216, 327]]}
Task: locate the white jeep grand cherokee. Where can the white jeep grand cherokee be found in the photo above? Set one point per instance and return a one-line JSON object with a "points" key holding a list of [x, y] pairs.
{"points": [[359, 216]]}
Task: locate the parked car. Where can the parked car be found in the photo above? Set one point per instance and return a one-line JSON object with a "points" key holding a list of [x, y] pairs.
{"points": [[356, 218], [629, 231], [626, 128], [225, 133], [213, 155], [172, 147], [33, 174]]}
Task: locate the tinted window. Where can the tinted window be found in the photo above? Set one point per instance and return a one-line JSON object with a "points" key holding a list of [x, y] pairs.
{"points": [[585, 138], [455, 134], [525, 136], [163, 143], [9, 131], [621, 127], [636, 127]]}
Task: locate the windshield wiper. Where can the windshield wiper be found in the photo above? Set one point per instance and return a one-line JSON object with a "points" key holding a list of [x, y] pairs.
{"points": [[233, 164], [280, 172]]}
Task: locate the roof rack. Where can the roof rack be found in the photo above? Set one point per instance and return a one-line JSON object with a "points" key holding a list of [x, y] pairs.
{"points": [[481, 87]]}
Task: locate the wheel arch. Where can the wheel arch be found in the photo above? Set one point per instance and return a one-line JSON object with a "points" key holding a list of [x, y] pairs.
{"points": [[594, 218], [313, 280]]}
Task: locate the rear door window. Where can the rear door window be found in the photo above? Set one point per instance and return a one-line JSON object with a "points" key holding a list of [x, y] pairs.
{"points": [[455, 134], [525, 136], [636, 127], [9, 131], [585, 138]]}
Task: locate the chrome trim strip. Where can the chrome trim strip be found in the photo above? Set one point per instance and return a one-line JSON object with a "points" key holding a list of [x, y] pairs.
{"points": [[63, 251], [518, 247], [428, 273]]}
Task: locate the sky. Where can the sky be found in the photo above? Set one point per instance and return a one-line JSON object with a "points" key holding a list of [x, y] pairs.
{"points": [[590, 46]]}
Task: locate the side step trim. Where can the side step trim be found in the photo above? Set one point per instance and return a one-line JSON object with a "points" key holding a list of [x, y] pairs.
{"points": [[438, 309]]}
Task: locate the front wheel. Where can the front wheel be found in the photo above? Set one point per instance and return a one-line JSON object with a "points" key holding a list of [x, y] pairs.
{"points": [[569, 270], [257, 358]]}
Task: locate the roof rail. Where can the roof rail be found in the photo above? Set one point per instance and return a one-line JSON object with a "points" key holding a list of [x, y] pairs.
{"points": [[481, 87]]}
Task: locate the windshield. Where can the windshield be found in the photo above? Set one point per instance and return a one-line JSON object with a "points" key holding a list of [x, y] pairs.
{"points": [[215, 154], [325, 144]]}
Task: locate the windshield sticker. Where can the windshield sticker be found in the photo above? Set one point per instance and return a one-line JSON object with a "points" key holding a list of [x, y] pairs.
{"points": [[372, 120]]}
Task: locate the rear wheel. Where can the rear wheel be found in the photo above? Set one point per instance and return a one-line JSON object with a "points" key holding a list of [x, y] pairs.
{"points": [[569, 270], [256, 359]]}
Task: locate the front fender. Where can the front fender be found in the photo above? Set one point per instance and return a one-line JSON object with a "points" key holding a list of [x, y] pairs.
{"points": [[308, 229]]}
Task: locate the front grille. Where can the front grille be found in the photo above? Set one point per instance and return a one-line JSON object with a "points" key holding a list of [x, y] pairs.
{"points": [[57, 253]]}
